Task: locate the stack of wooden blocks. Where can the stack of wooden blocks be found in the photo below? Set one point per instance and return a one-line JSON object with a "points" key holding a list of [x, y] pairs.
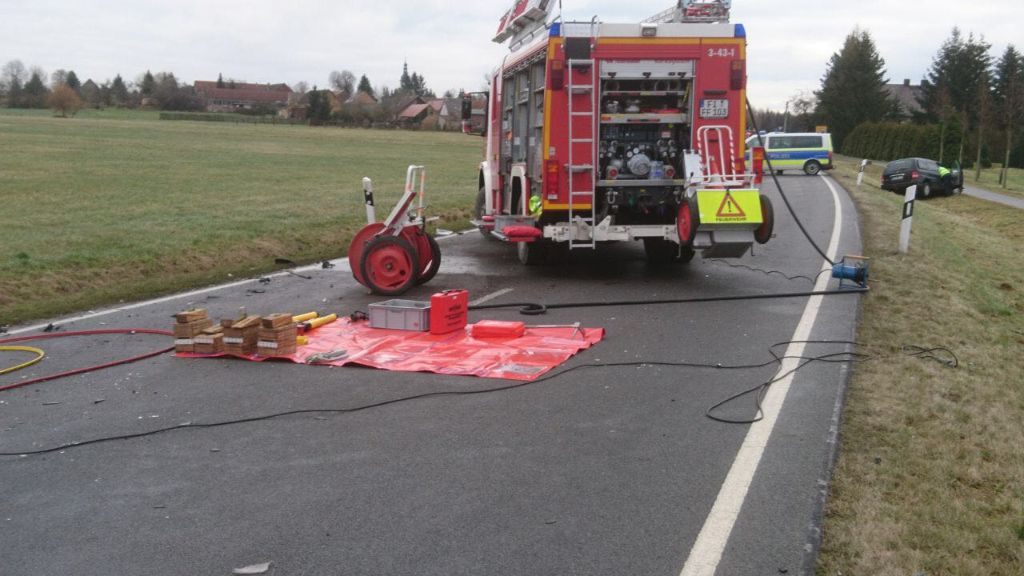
{"points": [[240, 337], [188, 325], [277, 335]]}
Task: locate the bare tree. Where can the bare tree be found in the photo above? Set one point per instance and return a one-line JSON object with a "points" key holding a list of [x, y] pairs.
{"points": [[984, 105], [12, 78], [64, 99], [14, 70], [301, 87], [59, 76], [344, 80]]}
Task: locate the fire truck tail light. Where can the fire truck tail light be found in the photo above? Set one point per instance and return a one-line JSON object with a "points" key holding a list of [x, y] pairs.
{"points": [[737, 75], [551, 179], [757, 163]]}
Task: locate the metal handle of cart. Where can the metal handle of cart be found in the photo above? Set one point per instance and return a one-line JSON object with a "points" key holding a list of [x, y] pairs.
{"points": [[404, 214]]}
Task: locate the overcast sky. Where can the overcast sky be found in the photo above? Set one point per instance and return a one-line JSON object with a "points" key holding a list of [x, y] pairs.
{"points": [[448, 42]]}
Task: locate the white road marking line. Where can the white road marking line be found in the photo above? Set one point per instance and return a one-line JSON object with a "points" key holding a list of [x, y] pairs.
{"points": [[714, 535], [490, 296], [341, 264]]}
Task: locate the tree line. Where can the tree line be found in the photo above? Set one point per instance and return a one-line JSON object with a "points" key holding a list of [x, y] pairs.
{"points": [[388, 101], [972, 101], [21, 87]]}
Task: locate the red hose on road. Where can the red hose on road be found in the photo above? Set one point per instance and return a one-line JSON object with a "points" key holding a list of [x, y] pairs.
{"points": [[89, 368]]}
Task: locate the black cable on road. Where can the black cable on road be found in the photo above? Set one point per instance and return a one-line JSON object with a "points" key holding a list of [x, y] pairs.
{"points": [[535, 308], [760, 390]]}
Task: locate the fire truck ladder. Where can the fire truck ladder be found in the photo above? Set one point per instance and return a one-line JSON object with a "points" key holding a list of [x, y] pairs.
{"points": [[580, 168]]}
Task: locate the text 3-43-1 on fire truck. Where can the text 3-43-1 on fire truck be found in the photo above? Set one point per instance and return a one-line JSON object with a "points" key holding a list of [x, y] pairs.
{"points": [[600, 132]]}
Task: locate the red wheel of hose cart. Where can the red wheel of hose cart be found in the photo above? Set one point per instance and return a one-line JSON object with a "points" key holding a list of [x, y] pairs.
{"points": [[390, 265], [428, 273], [764, 231], [427, 250], [357, 248], [687, 221]]}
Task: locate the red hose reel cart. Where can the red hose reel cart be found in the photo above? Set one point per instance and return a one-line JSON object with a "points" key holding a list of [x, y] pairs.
{"points": [[392, 256]]}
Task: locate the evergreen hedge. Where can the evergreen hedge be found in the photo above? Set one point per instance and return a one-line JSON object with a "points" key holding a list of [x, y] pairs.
{"points": [[886, 141]]}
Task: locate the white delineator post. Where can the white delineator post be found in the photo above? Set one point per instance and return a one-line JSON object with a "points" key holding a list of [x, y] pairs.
{"points": [[371, 214], [908, 213], [860, 173]]}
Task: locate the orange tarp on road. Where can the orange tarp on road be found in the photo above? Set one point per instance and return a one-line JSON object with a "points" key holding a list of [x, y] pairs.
{"points": [[524, 358]]}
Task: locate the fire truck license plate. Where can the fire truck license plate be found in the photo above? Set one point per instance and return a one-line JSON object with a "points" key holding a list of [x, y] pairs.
{"points": [[714, 108]]}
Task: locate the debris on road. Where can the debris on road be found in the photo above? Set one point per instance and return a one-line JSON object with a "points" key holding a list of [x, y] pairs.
{"points": [[253, 569]]}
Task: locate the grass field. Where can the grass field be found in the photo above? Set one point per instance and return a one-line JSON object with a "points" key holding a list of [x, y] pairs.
{"points": [[116, 205], [930, 476]]}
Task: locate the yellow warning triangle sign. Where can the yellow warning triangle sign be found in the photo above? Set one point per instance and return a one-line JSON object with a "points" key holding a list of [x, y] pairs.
{"points": [[730, 208]]}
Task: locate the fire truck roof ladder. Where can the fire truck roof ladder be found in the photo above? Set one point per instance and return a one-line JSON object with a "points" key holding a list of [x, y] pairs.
{"points": [[582, 168]]}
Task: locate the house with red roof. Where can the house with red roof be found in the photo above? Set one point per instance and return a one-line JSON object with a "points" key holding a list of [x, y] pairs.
{"points": [[229, 96]]}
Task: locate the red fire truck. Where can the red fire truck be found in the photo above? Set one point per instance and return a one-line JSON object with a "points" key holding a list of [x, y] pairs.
{"points": [[599, 132]]}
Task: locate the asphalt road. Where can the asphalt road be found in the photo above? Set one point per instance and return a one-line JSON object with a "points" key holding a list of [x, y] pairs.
{"points": [[605, 470]]}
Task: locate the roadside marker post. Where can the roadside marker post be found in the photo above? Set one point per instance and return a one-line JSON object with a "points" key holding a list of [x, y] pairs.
{"points": [[908, 213], [860, 173], [371, 213]]}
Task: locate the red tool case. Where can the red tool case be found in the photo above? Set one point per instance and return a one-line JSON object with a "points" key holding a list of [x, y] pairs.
{"points": [[448, 311]]}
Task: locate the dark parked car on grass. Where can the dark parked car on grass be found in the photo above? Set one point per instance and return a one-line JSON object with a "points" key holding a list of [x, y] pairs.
{"points": [[901, 174]]}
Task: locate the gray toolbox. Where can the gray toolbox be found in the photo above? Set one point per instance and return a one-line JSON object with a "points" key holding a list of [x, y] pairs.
{"points": [[401, 315]]}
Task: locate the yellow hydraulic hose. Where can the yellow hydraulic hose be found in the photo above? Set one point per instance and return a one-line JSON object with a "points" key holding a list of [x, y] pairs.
{"points": [[38, 352]]}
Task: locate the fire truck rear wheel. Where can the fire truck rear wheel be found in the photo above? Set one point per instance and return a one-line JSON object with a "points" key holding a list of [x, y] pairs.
{"points": [[479, 208], [686, 253], [531, 253]]}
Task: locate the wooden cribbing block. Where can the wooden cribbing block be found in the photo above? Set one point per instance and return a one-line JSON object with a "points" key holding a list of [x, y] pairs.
{"points": [[184, 345], [282, 334], [240, 338], [189, 316], [209, 343], [191, 329], [276, 321], [269, 348], [277, 341], [247, 322]]}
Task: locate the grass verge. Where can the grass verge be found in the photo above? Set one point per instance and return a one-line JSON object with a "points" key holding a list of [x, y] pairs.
{"points": [[106, 207], [930, 475]]}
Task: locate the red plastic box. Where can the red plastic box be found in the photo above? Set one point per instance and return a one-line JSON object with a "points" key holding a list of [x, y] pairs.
{"points": [[448, 311], [497, 329]]}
